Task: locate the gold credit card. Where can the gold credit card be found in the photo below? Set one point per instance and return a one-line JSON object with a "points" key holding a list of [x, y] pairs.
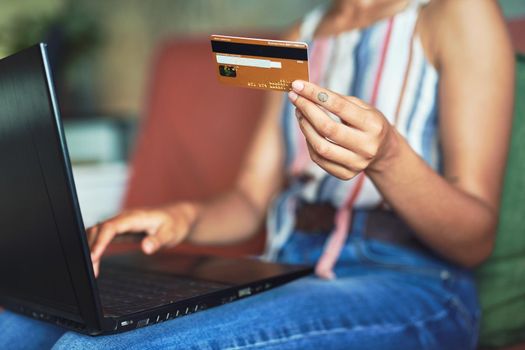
{"points": [[259, 63]]}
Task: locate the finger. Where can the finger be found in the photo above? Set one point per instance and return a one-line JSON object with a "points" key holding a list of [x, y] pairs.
{"points": [[121, 224], [104, 236], [96, 268], [92, 234], [330, 151], [343, 135], [161, 238], [335, 169], [350, 111]]}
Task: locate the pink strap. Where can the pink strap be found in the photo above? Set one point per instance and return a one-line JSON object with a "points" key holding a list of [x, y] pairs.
{"points": [[336, 241], [333, 247], [335, 244]]}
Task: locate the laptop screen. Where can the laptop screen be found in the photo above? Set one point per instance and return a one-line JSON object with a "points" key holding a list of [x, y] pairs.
{"points": [[33, 193]]}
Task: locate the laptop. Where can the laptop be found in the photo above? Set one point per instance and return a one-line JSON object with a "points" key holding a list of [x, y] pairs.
{"points": [[45, 267]]}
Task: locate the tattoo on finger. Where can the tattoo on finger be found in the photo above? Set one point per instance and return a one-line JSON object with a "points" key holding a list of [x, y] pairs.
{"points": [[322, 96]]}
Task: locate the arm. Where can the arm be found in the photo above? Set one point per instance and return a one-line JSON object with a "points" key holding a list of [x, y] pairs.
{"points": [[476, 104], [234, 216], [456, 215], [238, 214]]}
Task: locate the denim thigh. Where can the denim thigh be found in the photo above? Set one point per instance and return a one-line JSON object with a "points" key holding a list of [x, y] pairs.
{"points": [[23, 333], [365, 309], [385, 297], [402, 271]]}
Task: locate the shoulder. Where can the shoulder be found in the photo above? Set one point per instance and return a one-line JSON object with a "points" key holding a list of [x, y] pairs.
{"points": [[465, 30]]}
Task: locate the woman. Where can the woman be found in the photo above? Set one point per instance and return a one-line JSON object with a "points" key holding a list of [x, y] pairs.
{"points": [[393, 192]]}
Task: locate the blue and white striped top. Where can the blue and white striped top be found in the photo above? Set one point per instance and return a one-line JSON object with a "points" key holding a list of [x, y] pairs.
{"points": [[384, 65]]}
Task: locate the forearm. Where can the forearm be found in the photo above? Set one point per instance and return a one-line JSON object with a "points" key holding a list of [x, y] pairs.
{"points": [[226, 219], [454, 223]]}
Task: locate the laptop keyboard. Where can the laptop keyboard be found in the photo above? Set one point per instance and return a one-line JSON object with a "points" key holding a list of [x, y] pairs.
{"points": [[124, 291]]}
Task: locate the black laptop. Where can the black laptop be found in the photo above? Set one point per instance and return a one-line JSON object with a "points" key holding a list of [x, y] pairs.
{"points": [[45, 265]]}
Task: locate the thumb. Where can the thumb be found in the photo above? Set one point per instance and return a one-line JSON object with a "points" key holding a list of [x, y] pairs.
{"points": [[151, 244]]}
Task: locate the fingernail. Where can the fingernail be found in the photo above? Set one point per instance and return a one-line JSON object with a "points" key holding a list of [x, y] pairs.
{"points": [[298, 114], [297, 85], [292, 95], [148, 247]]}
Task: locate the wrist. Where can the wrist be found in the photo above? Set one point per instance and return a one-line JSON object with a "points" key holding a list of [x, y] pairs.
{"points": [[389, 154], [187, 212]]}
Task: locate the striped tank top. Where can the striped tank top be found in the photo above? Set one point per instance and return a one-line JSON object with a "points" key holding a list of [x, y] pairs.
{"points": [[384, 65]]}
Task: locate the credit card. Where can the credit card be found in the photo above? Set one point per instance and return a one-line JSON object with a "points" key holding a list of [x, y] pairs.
{"points": [[259, 63]]}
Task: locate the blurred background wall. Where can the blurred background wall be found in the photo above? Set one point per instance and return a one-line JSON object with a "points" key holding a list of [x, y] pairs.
{"points": [[101, 52], [124, 33], [109, 74]]}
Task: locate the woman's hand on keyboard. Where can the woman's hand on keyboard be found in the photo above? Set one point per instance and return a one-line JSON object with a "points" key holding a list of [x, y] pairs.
{"points": [[164, 227]]}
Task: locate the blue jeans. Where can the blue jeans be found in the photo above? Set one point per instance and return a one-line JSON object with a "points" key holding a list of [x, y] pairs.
{"points": [[385, 297]]}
